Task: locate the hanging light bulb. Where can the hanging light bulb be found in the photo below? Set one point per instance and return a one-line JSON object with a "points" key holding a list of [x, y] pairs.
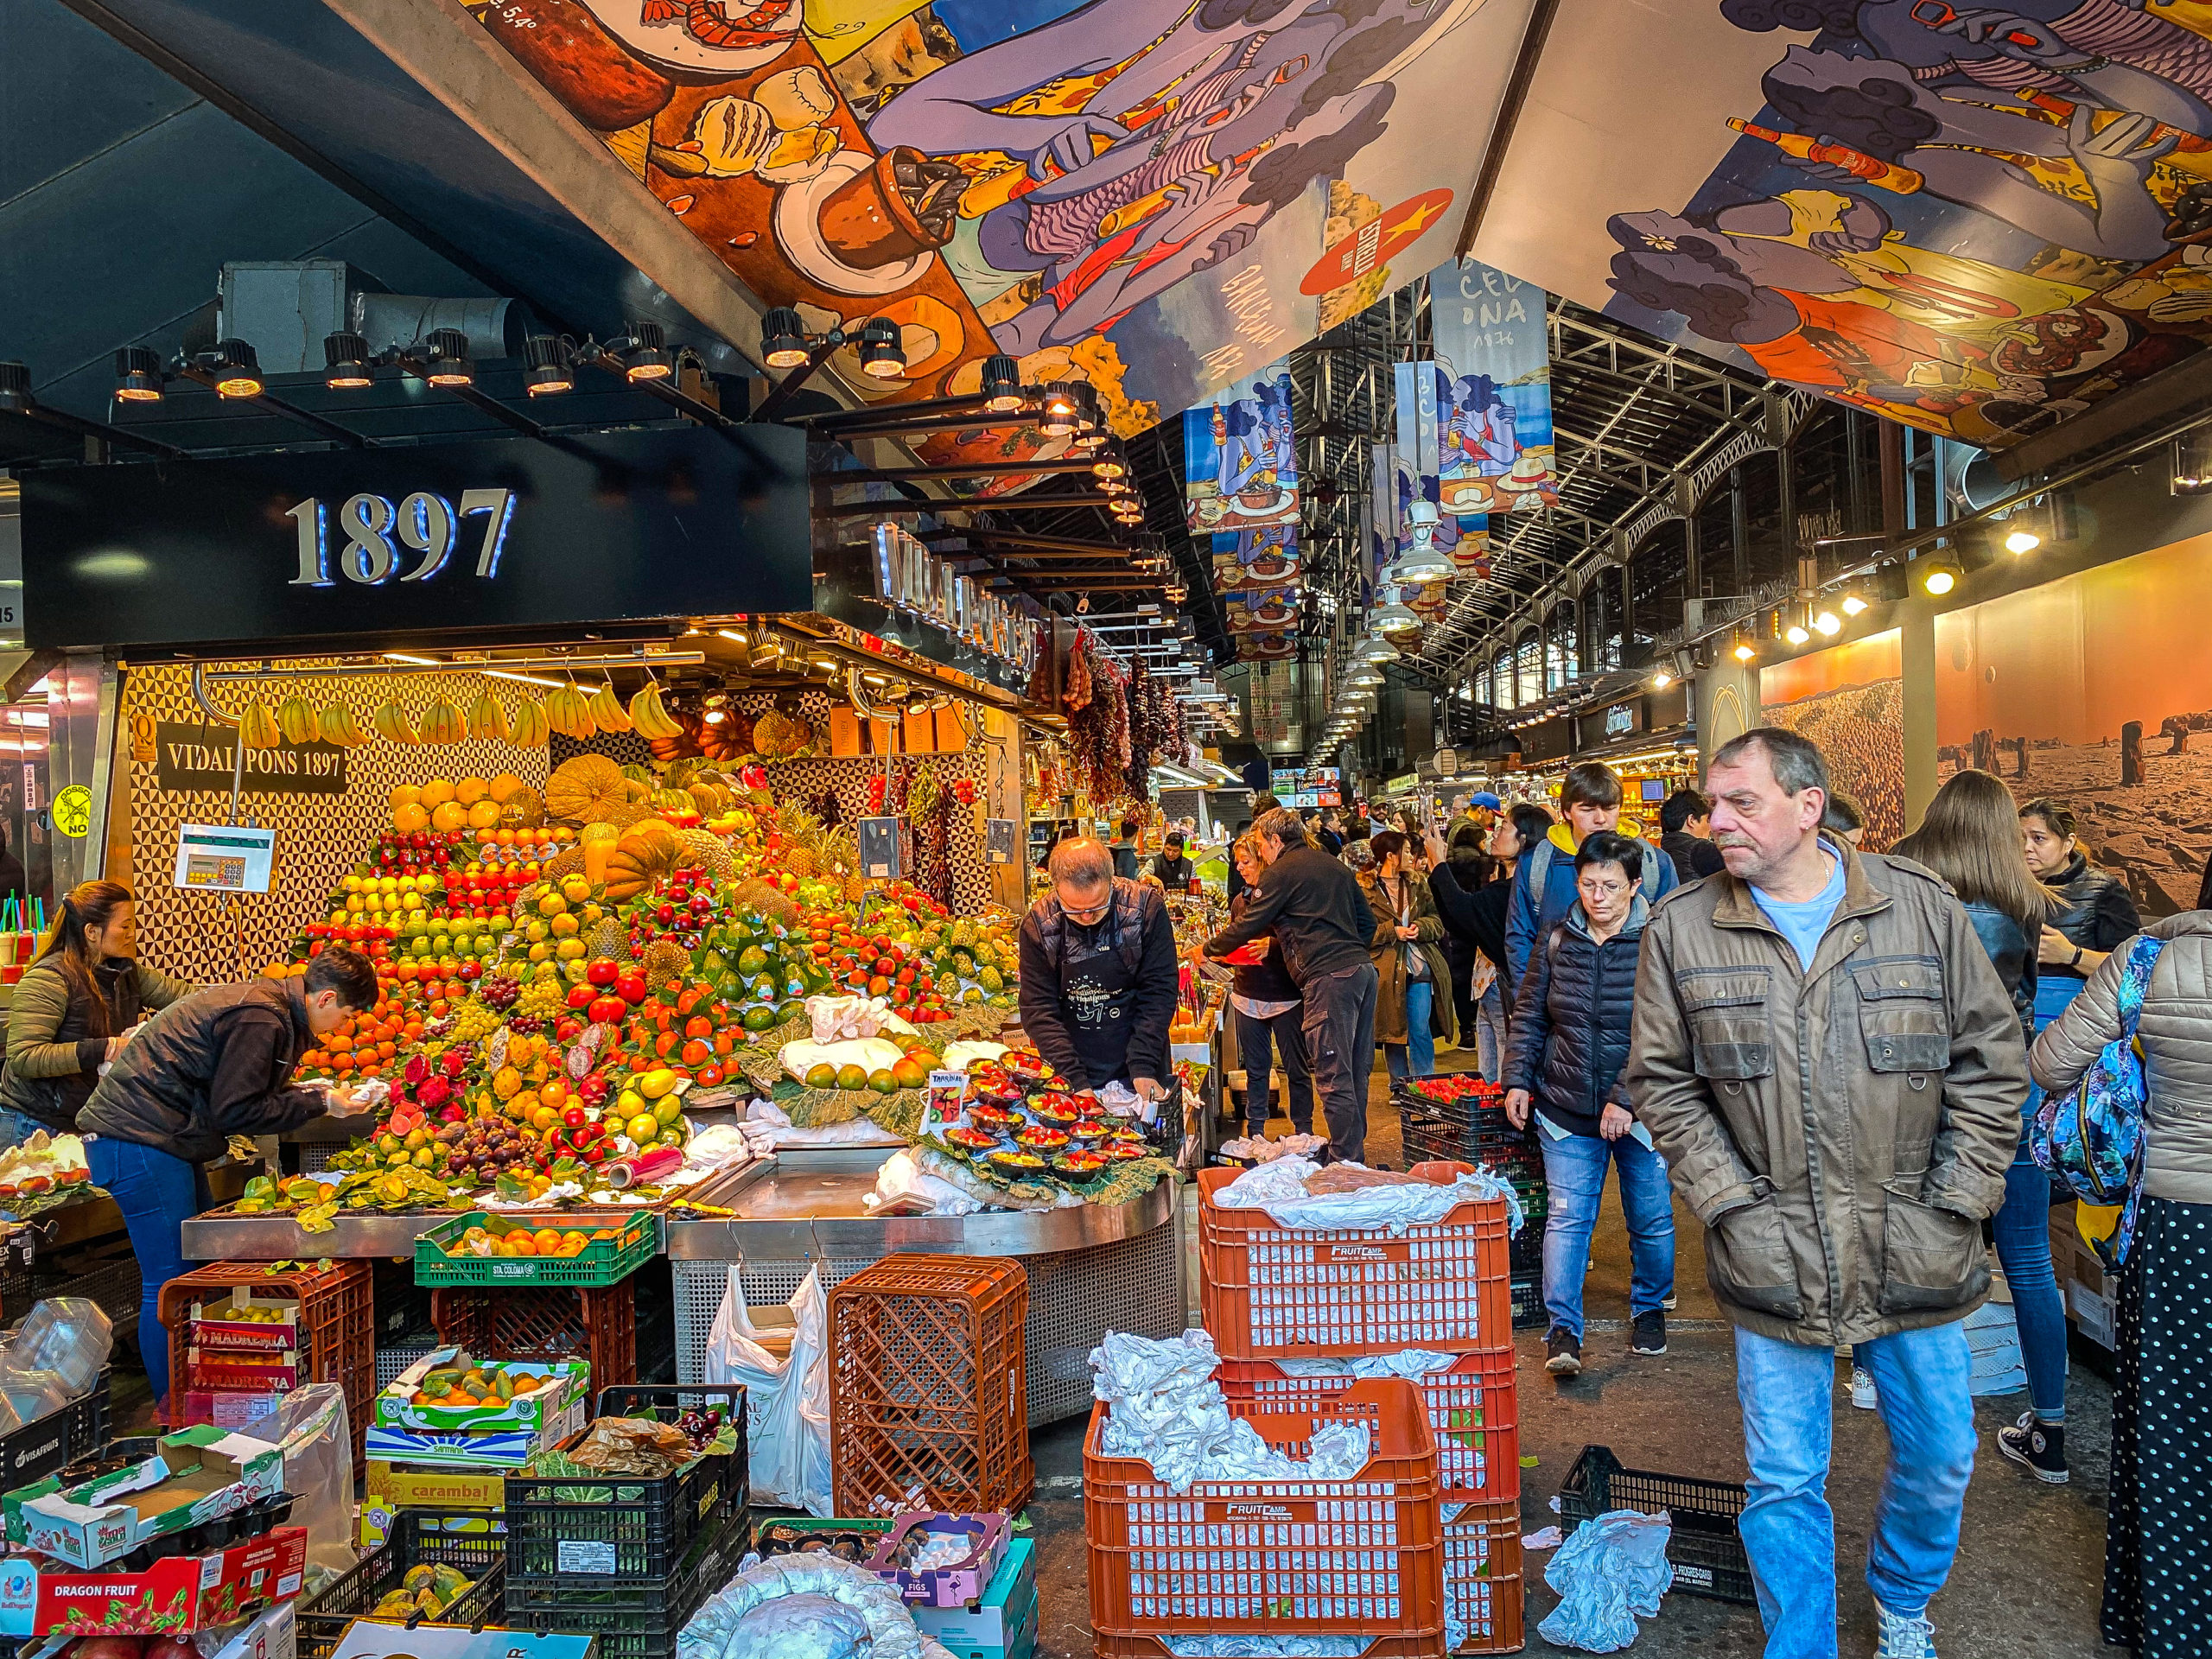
{"points": [[1374, 649], [1393, 618], [1827, 624], [1795, 634]]}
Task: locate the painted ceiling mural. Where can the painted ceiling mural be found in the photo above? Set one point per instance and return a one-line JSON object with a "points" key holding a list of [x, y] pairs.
{"points": [[1975, 219], [1158, 196]]}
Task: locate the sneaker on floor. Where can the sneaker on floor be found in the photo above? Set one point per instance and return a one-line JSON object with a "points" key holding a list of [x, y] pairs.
{"points": [[1862, 1389], [1667, 1303], [1563, 1352], [2038, 1447], [1904, 1638], [1648, 1333]]}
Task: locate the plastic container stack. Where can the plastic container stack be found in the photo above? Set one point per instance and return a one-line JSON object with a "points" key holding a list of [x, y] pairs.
{"points": [[1455, 1118], [1274, 1292]]}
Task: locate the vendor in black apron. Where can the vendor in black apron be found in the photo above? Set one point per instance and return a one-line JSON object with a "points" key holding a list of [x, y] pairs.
{"points": [[1098, 974]]}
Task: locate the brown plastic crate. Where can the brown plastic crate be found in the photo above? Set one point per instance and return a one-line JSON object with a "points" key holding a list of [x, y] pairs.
{"points": [[929, 1393], [545, 1322], [337, 1325]]}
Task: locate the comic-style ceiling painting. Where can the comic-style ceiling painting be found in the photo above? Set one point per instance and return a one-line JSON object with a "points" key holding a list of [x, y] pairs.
{"points": [[1155, 195], [1975, 219]]}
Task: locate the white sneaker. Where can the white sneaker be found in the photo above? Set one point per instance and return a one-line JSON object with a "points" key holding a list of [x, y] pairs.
{"points": [[1862, 1389], [1903, 1637]]}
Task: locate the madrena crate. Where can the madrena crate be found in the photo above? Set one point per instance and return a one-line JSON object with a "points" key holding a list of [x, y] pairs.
{"points": [[1274, 1292], [1359, 1557]]}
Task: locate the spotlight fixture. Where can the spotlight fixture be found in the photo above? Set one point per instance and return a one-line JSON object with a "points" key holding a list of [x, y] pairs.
{"points": [[1796, 634], [1001, 381], [882, 356], [137, 375], [1744, 650], [1375, 649], [1662, 680], [1828, 623], [449, 364], [548, 372], [1108, 462], [1060, 415], [2192, 462], [1089, 416], [346, 365], [1852, 605], [1939, 576], [648, 358], [783, 339], [1394, 618], [238, 370], [1365, 676], [15, 388], [2021, 539]]}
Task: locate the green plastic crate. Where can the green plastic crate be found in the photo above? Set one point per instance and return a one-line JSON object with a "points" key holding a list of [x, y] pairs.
{"points": [[604, 1262]]}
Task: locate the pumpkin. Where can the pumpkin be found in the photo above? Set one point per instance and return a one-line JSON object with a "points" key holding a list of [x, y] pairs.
{"points": [[637, 862], [671, 800], [711, 800], [585, 789]]}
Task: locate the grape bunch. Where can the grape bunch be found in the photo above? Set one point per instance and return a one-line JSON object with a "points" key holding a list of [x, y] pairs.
{"points": [[524, 1025], [501, 992], [541, 999], [474, 1022]]}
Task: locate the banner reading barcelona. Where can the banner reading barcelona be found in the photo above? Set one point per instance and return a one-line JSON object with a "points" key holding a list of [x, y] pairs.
{"points": [[1240, 461], [1493, 352]]}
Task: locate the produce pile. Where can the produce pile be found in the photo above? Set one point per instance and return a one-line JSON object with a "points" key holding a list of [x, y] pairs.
{"points": [[1018, 1123], [485, 1384], [553, 992], [427, 1590]]}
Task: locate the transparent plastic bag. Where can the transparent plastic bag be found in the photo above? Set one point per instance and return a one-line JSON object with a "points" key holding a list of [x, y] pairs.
{"points": [[69, 1336], [1611, 1572], [309, 1423]]}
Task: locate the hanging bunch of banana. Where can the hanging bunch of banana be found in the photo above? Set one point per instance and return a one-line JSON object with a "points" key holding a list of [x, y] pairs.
{"points": [[650, 716], [487, 718], [532, 727], [443, 723], [606, 710], [339, 726], [570, 711], [298, 720], [391, 722], [257, 728]]}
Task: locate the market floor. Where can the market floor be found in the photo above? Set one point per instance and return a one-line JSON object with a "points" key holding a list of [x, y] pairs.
{"points": [[2030, 1566]]}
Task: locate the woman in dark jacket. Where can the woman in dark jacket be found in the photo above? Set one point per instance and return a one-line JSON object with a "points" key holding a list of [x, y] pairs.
{"points": [[1454, 878], [1970, 837], [1270, 1012], [1568, 1042], [2094, 917], [74, 1008]]}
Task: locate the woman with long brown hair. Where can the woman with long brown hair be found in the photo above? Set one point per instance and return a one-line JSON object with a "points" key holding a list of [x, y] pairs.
{"points": [[76, 1002], [1970, 837]]}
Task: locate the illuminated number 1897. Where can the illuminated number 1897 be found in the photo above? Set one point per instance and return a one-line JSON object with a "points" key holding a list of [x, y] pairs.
{"points": [[375, 533]]}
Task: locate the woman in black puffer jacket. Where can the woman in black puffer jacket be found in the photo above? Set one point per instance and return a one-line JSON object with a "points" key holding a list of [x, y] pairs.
{"points": [[1564, 1051], [2094, 915]]}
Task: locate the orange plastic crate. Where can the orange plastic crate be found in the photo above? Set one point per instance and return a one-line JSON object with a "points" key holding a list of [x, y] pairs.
{"points": [[1359, 1557], [545, 1322], [929, 1387], [1272, 1292], [1482, 1585], [1473, 1411], [1154, 1647]]}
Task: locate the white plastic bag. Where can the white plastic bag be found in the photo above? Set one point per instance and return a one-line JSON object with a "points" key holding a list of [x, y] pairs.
{"points": [[787, 1401], [1609, 1573]]}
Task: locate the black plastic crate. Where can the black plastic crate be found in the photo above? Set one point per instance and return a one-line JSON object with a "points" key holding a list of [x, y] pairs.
{"points": [[1527, 1299], [1706, 1547], [417, 1537], [639, 1618], [52, 1443], [604, 1532]]}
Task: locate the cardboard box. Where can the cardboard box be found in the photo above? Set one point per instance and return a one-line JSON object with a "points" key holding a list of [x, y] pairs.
{"points": [[844, 730], [391, 1487], [367, 1639], [951, 729], [217, 1324], [251, 1370], [921, 732], [198, 1474], [176, 1596], [274, 1634], [561, 1385]]}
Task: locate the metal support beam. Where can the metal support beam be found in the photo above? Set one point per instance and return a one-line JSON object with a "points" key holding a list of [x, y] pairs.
{"points": [[292, 412], [887, 509]]}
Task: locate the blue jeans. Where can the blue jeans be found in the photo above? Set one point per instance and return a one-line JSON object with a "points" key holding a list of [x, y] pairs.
{"points": [[1788, 1393], [2022, 1227], [15, 1128], [1574, 1169], [156, 1192], [1420, 994], [1490, 1034]]}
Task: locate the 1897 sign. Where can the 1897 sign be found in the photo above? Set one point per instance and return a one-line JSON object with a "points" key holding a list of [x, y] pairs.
{"points": [[189, 757]]}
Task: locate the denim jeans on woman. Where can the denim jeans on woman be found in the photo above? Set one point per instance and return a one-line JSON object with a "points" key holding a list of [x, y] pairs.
{"points": [[1574, 1169], [1420, 996], [1258, 1041], [1787, 1393], [157, 1193]]}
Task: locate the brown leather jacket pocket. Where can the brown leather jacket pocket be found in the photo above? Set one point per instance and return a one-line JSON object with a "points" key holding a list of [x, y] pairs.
{"points": [[1901, 1013], [1748, 1255], [1931, 1258]]}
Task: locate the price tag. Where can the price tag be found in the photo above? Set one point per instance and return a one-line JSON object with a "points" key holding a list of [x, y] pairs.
{"points": [[584, 1556]]}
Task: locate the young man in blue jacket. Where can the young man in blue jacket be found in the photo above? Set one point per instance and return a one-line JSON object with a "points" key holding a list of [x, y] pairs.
{"points": [[1543, 886]]}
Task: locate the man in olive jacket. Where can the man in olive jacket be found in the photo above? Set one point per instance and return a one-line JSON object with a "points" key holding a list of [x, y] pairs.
{"points": [[1826, 1059]]}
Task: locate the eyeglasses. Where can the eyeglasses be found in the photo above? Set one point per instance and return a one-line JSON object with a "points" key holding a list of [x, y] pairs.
{"points": [[1087, 912]]}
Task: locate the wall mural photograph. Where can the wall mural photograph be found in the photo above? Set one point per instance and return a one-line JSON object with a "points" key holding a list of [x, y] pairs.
{"points": [[1850, 699]]}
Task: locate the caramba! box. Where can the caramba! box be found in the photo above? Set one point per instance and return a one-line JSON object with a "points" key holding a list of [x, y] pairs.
{"points": [[391, 1487], [195, 1475]]}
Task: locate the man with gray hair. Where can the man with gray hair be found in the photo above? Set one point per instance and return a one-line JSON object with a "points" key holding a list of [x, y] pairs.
{"points": [[1824, 1057], [1098, 974], [1323, 929]]}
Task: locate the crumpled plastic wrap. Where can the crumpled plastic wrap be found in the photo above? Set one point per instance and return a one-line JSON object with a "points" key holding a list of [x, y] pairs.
{"points": [[1168, 1409], [1266, 1647], [634, 1445], [69, 1336], [1610, 1572], [1411, 1363], [726, 1627], [1261, 1150], [902, 1175], [1279, 1188]]}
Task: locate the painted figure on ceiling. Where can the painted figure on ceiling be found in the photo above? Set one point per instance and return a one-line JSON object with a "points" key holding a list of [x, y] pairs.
{"points": [[1478, 434]]}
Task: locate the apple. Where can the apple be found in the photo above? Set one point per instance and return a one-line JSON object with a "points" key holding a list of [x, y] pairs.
{"points": [[609, 1010], [630, 986], [580, 996], [605, 971]]}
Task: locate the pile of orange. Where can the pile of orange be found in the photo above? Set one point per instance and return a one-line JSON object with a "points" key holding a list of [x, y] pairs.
{"points": [[549, 1242], [365, 1044]]}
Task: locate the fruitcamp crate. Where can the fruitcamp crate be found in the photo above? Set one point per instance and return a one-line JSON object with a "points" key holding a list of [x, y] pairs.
{"points": [[1274, 1292], [548, 1322], [613, 1614], [1484, 1599], [929, 1391], [419, 1536], [560, 1527], [1262, 1557], [1705, 1547], [337, 1324], [602, 1262], [1473, 1411]]}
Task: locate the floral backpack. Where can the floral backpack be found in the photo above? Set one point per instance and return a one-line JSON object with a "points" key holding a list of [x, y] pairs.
{"points": [[2091, 1137]]}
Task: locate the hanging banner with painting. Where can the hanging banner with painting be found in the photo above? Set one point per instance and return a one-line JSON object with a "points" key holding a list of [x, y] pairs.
{"points": [[1240, 461], [1247, 559], [1265, 610], [1493, 353]]}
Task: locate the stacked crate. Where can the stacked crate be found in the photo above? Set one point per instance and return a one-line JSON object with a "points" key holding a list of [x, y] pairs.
{"points": [[1444, 1480], [1452, 1118]]}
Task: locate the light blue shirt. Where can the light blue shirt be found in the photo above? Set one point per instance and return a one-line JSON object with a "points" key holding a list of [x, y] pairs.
{"points": [[1803, 924]]}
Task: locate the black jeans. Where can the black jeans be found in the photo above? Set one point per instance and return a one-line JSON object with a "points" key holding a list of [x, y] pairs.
{"points": [[1283, 1032], [1339, 1022]]}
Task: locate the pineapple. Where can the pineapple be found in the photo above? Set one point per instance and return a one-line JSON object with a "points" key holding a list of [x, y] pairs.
{"points": [[804, 836]]}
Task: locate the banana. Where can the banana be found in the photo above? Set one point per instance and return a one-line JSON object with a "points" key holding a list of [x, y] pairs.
{"points": [[296, 719], [531, 727], [650, 716], [487, 720], [570, 711], [339, 728], [257, 728], [391, 722], [443, 723], [606, 710]]}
